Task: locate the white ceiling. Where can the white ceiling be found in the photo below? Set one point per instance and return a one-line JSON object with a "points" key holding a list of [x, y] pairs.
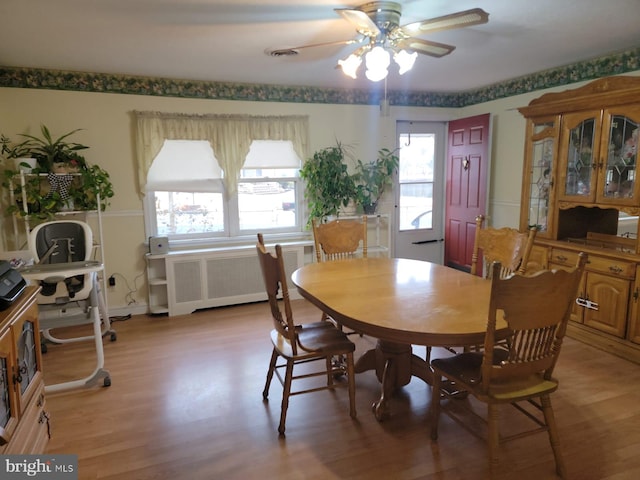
{"points": [[225, 40]]}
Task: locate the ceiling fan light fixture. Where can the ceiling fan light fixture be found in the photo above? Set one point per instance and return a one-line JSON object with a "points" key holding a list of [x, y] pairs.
{"points": [[405, 60], [382, 35], [377, 61], [350, 65], [376, 75]]}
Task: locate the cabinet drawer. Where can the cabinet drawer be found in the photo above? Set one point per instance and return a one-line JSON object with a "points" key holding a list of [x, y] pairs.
{"points": [[608, 266], [567, 258], [611, 266]]}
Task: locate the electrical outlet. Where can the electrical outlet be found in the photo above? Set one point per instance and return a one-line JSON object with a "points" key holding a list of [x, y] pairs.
{"points": [[112, 281]]}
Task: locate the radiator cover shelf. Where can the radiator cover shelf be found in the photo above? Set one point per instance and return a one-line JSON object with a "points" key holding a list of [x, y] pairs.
{"points": [[216, 278]]}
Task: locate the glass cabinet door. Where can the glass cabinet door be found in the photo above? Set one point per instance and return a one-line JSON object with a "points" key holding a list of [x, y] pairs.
{"points": [[620, 157], [541, 153], [580, 143], [29, 360], [8, 402]]}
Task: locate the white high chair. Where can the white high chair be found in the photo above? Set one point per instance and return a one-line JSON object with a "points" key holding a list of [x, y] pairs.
{"points": [[70, 292]]}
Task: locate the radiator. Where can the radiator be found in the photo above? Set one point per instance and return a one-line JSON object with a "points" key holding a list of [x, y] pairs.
{"points": [[203, 279]]}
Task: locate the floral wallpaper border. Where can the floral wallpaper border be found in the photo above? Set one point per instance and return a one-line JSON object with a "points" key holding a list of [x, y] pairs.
{"points": [[614, 64]]}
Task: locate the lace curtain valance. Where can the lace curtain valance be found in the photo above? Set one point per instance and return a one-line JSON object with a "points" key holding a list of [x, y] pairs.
{"points": [[230, 137]]}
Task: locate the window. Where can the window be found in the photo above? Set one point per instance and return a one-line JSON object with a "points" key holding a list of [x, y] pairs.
{"points": [[267, 191], [186, 200], [415, 177]]}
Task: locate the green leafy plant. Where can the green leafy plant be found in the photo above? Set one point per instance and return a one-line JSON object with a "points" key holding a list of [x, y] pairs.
{"points": [[43, 202], [39, 202], [328, 183], [371, 179], [86, 184], [9, 149], [95, 181], [48, 150]]}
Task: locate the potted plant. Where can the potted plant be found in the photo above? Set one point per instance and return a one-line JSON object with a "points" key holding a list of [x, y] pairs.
{"points": [[62, 180], [20, 152], [329, 186], [56, 155], [371, 179], [95, 182]]}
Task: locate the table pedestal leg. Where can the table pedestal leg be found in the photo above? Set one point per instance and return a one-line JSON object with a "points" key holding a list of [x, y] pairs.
{"points": [[394, 364]]}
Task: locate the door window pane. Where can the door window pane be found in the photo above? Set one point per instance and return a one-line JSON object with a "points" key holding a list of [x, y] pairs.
{"points": [[415, 174]]}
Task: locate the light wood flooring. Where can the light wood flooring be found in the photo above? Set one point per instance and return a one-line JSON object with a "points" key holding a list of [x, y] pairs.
{"points": [[186, 403]]}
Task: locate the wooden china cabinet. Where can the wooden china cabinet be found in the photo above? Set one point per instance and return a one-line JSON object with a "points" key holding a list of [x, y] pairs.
{"points": [[24, 421], [580, 190]]}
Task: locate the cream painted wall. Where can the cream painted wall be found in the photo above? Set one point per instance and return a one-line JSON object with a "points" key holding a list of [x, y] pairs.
{"points": [[107, 121], [108, 128]]}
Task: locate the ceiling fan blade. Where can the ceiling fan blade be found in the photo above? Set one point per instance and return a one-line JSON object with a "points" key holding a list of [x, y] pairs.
{"points": [[466, 18], [360, 20], [281, 52], [433, 49]]}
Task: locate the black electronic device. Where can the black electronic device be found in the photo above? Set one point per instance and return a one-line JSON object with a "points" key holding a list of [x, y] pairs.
{"points": [[11, 284]]}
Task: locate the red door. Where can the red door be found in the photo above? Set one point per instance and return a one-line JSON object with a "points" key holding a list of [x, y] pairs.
{"points": [[467, 165]]}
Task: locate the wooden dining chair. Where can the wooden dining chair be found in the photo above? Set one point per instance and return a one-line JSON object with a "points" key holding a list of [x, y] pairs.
{"points": [[340, 239], [297, 344], [508, 246], [536, 310]]}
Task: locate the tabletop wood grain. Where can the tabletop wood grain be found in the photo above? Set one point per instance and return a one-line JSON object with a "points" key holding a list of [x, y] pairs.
{"points": [[399, 300]]}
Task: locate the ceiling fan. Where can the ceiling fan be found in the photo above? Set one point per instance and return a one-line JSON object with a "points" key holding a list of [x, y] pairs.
{"points": [[381, 35]]}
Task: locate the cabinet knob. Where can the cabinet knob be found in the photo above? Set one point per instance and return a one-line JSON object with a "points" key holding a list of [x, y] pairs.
{"points": [[615, 269], [561, 258]]}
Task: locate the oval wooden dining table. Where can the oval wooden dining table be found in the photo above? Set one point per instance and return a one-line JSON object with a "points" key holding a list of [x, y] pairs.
{"points": [[400, 302]]}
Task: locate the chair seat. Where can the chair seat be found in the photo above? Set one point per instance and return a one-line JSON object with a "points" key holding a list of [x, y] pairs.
{"points": [[319, 340], [319, 324], [465, 370], [466, 366]]}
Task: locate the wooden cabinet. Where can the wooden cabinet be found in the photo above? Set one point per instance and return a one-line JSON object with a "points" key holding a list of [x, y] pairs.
{"points": [[604, 291], [598, 156], [612, 296], [24, 422], [579, 187], [540, 158], [633, 333]]}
